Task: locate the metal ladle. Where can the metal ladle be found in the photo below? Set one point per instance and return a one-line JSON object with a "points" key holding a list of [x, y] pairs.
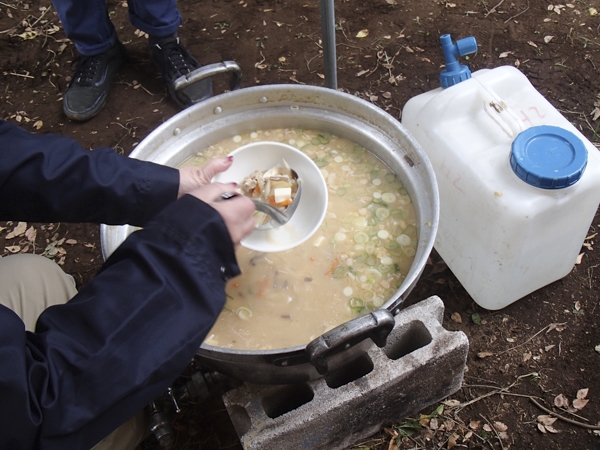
{"points": [[278, 217]]}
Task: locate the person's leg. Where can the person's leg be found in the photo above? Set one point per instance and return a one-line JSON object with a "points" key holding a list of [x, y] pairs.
{"points": [[87, 24], [161, 19], [158, 18], [31, 283]]}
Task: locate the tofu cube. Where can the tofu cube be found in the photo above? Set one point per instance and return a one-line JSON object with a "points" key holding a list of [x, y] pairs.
{"points": [[282, 194]]}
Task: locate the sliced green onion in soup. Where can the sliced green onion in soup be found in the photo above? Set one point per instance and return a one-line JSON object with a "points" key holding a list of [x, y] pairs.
{"points": [[356, 304], [390, 177], [360, 237], [403, 240], [409, 251], [388, 197], [360, 221], [243, 313], [382, 213], [400, 213], [373, 274], [371, 260], [321, 162], [384, 268], [377, 301], [367, 294], [339, 272]]}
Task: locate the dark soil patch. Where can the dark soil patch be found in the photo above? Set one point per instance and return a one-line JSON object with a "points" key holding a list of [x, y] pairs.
{"points": [[278, 42]]}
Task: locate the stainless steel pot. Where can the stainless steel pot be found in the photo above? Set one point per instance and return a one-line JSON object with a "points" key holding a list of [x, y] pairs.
{"points": [[310, 107]]}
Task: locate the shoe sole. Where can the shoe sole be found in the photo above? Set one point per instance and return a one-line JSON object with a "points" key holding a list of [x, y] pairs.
{"points": [[87, 115]]}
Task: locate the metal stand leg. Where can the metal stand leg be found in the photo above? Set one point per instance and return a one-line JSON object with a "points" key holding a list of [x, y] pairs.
{"points": [[328, 31]]}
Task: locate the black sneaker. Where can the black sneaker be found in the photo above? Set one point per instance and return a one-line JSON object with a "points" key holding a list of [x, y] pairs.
{"points": [[88, 91], [173, 61]]}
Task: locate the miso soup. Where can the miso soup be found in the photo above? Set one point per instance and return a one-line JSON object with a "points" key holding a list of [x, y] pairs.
{"points": [[352, 265]]}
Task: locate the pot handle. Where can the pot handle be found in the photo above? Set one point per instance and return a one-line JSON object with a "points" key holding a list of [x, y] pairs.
{"points": [[376, 326], [210, 70]]}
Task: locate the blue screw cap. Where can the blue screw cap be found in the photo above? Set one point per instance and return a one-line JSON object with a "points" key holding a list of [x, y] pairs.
{"points": [[548, 157], [455, 72]]}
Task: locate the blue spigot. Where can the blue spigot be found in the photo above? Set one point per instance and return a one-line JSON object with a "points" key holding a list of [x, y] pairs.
{"points": [[455, 72]]}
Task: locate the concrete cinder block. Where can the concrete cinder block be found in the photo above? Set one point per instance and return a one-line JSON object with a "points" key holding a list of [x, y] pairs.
{"points": [[421, 364]]}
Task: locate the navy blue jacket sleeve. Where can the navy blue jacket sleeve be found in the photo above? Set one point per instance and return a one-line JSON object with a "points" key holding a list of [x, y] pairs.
{"points": [[51, 178], [118, 344]]}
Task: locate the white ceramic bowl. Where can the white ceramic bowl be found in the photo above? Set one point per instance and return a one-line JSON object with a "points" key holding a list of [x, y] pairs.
{"points": [[313, 202]]}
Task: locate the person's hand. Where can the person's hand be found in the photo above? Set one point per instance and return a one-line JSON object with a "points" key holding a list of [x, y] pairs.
{"points": [[237, 211], [191, 178]]}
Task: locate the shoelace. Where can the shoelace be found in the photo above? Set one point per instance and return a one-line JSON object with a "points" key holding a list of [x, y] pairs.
{"points": [[177, 58], [87, 67]]}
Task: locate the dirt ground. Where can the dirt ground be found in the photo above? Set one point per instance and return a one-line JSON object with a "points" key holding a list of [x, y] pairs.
{"points": [[542, 348]]}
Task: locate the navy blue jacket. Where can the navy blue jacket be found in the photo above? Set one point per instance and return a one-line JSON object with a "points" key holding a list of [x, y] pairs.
{"points": [[128, 334]]}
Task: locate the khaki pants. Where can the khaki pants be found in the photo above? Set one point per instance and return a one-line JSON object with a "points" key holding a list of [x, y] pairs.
{"points": [[31, 283]]}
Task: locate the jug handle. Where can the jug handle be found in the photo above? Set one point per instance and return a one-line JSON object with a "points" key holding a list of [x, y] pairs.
{"points": [[500, 112], [210, 70], [376, 326]]}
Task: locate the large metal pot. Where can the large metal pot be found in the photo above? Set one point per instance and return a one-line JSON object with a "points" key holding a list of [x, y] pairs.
{"points": [[310, 107]]}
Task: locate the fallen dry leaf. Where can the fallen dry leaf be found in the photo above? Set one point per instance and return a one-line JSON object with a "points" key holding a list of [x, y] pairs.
{"points": [[560, 401], [19, 230], [452, 440], [580, 403], [451, 403], [582, 393], [393, 433], [484, 354], [499, 426], [434, 424], [14, 248], [546, 420], [474, 424], [456, 317], [362, 33], [28, 35], [30, 234], [556, 326]]}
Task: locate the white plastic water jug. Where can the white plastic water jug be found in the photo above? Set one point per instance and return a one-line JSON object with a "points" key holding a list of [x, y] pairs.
{"points": [[519, 185]]}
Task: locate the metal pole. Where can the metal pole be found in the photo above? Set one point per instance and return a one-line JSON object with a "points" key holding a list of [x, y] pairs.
{"points": [[328, 32]]}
